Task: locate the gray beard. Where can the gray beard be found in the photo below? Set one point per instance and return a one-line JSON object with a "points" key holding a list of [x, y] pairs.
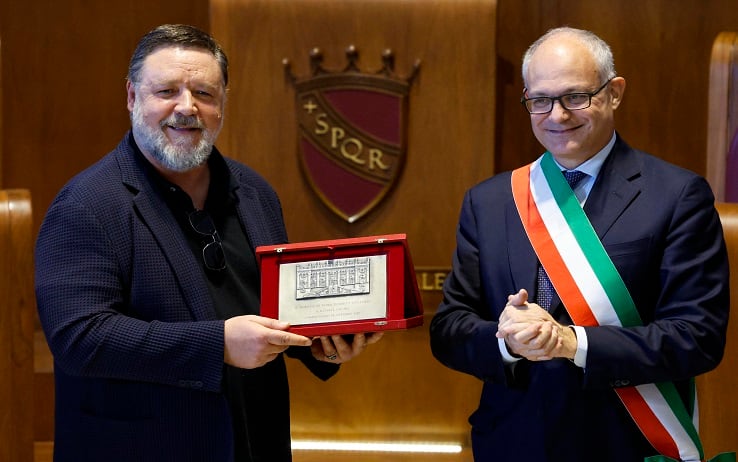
{"points": [[178, 158]]}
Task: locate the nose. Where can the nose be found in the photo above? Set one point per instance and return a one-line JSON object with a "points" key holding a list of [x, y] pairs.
{"points": [[186, 104], [558, 111]]}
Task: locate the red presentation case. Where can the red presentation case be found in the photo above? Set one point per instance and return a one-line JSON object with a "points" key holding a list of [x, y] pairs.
{"points": [[400, 307]]}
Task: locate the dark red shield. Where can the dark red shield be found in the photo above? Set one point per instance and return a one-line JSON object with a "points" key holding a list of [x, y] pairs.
{"points": [[352, 141]]}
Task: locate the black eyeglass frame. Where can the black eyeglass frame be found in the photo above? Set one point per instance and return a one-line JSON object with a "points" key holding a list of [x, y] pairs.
{"points": [[213, 255], [560, 99]]}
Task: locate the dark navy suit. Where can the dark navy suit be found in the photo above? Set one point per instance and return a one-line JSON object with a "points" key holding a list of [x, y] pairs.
{"points": [[129, 319], [658, 224]]}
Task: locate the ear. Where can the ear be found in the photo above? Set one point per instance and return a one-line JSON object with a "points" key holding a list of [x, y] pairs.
{"points": [[131, 95], [617, 88]]}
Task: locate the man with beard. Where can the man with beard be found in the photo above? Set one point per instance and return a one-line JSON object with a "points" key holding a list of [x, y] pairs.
{"points": [[148, 287]]}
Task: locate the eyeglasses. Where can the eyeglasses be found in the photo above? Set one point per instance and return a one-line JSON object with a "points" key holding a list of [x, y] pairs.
{"points": [[569, 101], [212, 254]]}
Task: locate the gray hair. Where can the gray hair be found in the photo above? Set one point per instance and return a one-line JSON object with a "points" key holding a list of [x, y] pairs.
{"points": [[175, 35], [599, 48]]}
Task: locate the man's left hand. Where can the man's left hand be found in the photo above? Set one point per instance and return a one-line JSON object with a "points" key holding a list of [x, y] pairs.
{"points": [[338, 349]]}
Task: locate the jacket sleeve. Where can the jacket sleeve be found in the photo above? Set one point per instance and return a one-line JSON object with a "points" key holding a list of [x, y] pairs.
{"points": [[83, 298], [462, 331], [677, 274]]}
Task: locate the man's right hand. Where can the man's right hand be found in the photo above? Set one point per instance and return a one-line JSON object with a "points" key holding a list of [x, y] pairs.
{"points": [[252, 341]]}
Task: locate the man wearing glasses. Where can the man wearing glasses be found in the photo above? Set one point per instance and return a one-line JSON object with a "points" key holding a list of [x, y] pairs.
{"points": [[589, 287], [148, 287]]}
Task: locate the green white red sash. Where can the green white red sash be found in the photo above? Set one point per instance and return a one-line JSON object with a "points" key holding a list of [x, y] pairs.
{"points": [[594, 294]]}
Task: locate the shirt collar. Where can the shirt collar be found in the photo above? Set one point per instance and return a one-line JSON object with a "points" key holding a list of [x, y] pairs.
{"points": [[593, 165]]}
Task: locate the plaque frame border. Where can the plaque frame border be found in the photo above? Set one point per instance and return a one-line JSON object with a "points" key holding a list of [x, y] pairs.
{"points": [[404, 305]]}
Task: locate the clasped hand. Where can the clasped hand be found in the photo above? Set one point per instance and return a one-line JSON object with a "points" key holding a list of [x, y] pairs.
{"points": [[531, 332], [252, 341]]}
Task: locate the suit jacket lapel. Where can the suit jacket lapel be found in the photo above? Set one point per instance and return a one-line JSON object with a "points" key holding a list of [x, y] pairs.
{"points": [[251, 213], [157, 216], [613, 190]]}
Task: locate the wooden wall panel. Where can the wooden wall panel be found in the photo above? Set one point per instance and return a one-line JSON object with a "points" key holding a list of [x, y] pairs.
{"points": [[64, 66], [661, 47], [451, 123], [396, 390]]}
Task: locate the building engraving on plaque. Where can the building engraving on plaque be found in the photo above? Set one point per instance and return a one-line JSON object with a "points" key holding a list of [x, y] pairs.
{"points": [[329, 278]]}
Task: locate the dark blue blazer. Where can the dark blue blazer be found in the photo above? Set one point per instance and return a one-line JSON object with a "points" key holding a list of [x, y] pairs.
{"points": [[125, 307], [658, 224]]}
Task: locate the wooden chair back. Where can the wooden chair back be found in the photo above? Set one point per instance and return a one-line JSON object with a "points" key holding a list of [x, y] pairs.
{"points": [[17, 314], [722, 118], [717, 398]]}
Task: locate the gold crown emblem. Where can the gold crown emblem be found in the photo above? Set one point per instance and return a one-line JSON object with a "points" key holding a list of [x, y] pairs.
{"points": [[351, 71]]}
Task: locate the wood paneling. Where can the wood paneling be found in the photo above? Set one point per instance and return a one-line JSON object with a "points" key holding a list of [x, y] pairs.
{"points": [[451, 127], [356, 456], [661, 47], [395, 390], [64, 66], [1, 112]]}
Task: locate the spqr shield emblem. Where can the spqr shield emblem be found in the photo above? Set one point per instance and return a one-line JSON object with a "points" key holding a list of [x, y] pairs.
{"points": [[352, 133]]}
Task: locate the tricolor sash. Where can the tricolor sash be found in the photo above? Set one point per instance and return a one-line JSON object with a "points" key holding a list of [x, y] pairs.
{"points": [[594, 294]]}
